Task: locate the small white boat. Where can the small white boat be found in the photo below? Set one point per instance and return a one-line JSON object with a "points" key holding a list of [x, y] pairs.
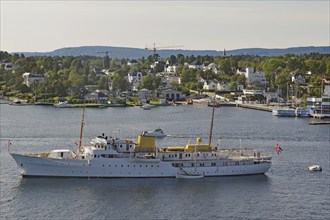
{"points": [[155, 133], [315, 168], [146, 107], [189, 176], [62, 104]]}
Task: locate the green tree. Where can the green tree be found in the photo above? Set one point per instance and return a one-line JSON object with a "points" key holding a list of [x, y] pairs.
{"points": [[225, 66], [119, 81], [147, 82], [106, 62], [75, 78]]}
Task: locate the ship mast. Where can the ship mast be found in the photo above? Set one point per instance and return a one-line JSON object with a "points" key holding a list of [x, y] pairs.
{"points": [[82, 126], [212, 119]]}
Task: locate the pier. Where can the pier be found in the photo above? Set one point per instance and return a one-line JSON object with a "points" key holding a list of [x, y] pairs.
{"points": [[260, 107], [319, 123]]}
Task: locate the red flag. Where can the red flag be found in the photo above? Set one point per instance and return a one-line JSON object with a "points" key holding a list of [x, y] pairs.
{"points": [[278, 148]]}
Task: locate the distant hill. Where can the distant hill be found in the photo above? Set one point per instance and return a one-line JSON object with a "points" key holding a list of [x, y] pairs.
{"points": [[134, 53]]}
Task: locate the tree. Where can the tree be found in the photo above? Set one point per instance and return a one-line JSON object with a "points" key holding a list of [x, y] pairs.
{"points": [[270, 67], [225, 66], [102, 82], [23, 88], [188, 75], [147, 82], [119, 81], [106, 62], [75, 78]]}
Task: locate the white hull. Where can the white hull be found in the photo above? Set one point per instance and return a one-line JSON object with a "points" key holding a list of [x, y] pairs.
{"points": [[126, 167]]}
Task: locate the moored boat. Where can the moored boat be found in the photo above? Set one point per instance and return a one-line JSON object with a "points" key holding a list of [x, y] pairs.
{"points": [[189, 176], [62, 104], [315, 168], [155, 133], [125, 158]]}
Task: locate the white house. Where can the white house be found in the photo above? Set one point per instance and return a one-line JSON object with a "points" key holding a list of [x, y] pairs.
{"points": [[210, 84], [170, 68], [169, 77], [29, 78], [135, 78], [254, 78], [212, 66], [196, 65], [223, 86], [298, 78]]}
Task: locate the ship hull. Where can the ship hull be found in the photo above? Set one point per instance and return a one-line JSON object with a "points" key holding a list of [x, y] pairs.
{"points": [[31, 166]]}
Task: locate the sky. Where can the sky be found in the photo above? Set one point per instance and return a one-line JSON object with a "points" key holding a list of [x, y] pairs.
{"points": [[43, 26]]}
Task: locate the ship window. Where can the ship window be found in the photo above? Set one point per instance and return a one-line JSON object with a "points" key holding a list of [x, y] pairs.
{"points": [[146, 165], [122, 165], [152, 165], [140, 165], [61, 154], [115, 165], [94, 156]]}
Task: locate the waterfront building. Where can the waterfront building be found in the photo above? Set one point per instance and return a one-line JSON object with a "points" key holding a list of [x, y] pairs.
{"points": [[171, 95], [97, 97], [29, 78], [253, 78]]}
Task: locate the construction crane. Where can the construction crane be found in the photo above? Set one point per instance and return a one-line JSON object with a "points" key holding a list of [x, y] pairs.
{"points": [[154, 48]]}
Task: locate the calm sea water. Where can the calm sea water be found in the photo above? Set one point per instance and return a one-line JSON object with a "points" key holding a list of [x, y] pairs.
{"points": [[287, 191]]}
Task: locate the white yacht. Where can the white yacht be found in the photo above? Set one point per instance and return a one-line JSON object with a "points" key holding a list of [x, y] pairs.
{"points": [[124, 158]]}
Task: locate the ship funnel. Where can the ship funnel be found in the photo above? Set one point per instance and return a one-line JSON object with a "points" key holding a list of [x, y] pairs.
{"points": [[146, 143]]}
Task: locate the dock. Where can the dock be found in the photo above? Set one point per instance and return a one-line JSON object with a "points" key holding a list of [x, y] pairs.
{"points": [[319, 123], [260, 107]]}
